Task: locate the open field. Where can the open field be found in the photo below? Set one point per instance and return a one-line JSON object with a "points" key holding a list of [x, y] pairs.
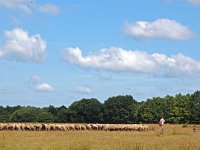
{"points": [[175, 137]]}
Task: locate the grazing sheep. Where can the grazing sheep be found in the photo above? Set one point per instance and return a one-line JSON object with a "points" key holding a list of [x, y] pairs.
{"points": [[88, 127], [38, 127], [45, 127], [62, 128], [100, 126], [52, 127], [65, 127], [105, 127], [58, 127], [94, 126], [71, 127], [77, 127], [83, 127], [10, 126], [17, 127]]}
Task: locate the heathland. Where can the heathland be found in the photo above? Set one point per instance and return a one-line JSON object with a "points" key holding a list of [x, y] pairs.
{"points": [[174, 137]]}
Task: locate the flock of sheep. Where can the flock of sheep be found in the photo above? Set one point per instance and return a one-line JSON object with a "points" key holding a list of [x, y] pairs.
{"points": [[73, 127]]}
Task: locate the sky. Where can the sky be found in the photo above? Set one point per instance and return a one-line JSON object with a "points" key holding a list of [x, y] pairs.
{"points": [[57, 52]]}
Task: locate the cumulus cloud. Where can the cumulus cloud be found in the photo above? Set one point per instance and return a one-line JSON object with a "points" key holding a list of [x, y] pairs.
{"points": [[38, 85], [26, 6], [160, 28], [50, 9], [44, 87], [122, 60], [21, 46], [84, 89], [194, 2]]}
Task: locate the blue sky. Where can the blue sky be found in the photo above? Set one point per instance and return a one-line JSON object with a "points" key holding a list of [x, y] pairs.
{"points": [[56, 52]]}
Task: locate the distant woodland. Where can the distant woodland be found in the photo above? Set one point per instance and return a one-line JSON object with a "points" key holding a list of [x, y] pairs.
{"points": [[119, 109]]}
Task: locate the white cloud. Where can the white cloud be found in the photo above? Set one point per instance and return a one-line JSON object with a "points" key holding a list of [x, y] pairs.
{"points": [[20, 46], [21, 5], [194, 2], [121, 60], [35, 83], [26, 6], [44, 87], [84, 89], [160, 28], [50, 9]]}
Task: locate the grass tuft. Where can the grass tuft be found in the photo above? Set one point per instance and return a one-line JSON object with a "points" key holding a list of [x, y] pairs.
{"points": [[138, 147]]}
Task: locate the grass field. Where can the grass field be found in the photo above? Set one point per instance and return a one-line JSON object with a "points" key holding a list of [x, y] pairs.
{"points": [[175, 137]]}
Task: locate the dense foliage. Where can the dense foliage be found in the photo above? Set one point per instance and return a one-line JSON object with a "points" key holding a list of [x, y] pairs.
{"points": [[120, 109]]}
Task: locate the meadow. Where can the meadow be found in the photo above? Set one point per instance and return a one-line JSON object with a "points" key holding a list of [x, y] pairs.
{"points": [[174, 137]]}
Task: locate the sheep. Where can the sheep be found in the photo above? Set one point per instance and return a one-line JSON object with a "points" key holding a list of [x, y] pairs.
{"points": [[52, 127], [17, 127], [71, 127], [65, 127], [83, 127], [77, 127], [94, 126]]}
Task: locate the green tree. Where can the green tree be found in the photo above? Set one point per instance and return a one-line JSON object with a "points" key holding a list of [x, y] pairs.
{"points": [[86, 110], [178, 108], [119, 109], [4, 115], [151, 110], [195, 107], [169, 103], [45, 116], [25, 114], [62, 115]]}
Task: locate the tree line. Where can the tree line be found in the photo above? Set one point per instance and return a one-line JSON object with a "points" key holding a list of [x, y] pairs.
{"points": [[119, 109]]}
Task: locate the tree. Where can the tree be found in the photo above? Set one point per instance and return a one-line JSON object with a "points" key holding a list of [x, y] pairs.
{"points": [[53, 111], [86, 110], [4, 115], [182, 108], [62, 115], [25, 114], [45, 116], [151, 110], [119, 109], [168, 109], [195, 107]]}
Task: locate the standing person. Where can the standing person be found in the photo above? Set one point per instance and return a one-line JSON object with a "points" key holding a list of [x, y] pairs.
{"points": [[161, 123]]}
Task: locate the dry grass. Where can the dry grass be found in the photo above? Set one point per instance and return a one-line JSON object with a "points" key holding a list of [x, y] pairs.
{"points": [[175, 137]]}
